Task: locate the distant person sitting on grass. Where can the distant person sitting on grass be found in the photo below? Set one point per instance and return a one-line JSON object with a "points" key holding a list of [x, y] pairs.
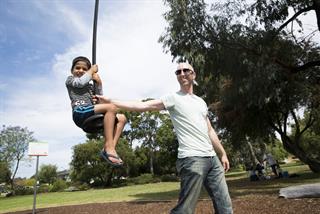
{"points": [[252, 174], [259, 168]]}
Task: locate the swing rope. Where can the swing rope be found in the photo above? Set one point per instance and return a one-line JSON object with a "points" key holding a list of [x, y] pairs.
{"points": [[94, 39], [94, 123], [94, 36]]}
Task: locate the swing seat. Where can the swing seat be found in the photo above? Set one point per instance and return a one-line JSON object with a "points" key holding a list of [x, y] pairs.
{"points": [[93, 124]]}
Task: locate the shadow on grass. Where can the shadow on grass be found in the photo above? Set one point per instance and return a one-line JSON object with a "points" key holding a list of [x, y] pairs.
{"points": [[243, 186], [240, 187], [157, 196]]}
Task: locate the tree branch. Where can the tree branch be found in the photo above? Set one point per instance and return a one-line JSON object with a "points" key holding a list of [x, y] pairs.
{"points": [[297, 69], [316, 4], [285, 122], [294, 17], [274, 126], [305, 66], [296, 122], [309, 123]]}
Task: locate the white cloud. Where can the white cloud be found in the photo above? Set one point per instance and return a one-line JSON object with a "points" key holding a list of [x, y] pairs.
{"points": [[67, 17]]}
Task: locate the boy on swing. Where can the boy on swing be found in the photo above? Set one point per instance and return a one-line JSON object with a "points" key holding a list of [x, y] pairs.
{"points": [[82, 102]]}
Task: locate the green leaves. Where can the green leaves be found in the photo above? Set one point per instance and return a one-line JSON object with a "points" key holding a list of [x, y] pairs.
{"points": [[48, 173], [252, 70], [14, 142]]}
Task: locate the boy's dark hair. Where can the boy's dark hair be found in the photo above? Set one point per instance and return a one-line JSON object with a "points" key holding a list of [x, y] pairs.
{"points": [[81, 58]]}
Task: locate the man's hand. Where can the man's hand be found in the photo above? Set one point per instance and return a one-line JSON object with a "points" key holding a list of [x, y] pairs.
{"points": [[102, 99], [225, 162]]}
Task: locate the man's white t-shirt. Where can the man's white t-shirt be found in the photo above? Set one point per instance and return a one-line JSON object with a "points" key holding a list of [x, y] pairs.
{"points": [[189, 117]]}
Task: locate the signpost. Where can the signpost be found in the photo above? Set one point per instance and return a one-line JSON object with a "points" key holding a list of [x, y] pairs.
{"points": [[37, 149]]}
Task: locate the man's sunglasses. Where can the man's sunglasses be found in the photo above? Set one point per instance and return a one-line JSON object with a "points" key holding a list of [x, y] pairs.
{"points": [[185, 71]]}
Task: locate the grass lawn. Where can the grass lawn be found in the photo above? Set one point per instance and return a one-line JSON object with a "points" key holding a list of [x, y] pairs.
{"points": [[239, 186], [157, 191]]}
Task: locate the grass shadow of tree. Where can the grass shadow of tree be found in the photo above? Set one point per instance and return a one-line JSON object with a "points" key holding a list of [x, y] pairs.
{"points": [[238, 188], [157, 196], [243, 186]]}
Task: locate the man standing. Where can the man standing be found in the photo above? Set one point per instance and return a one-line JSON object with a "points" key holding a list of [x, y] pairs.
{"points": [[197, 163], [270, 161]]}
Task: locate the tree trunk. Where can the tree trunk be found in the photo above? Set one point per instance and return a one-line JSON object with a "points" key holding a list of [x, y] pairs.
{"points": [[151, 162], [13, 192], [254, 158], [316, 4], [293, 148], [13, 176], [313, 165]]}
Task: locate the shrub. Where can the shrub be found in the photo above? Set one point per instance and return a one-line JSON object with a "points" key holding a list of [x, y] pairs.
{"points": [[71, 189], [26, 182], [4, 188], [118, 182], [23, 190], [83, 186], [79, 185], [30, 182], [169, 177], [58, 186], [43, 188], [143, 179]]}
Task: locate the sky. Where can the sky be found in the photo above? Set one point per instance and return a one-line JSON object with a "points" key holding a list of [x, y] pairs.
{"points": [[39, 39]]}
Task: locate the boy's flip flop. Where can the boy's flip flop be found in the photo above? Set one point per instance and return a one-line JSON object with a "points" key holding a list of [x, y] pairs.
{"points": [[106, 157]]}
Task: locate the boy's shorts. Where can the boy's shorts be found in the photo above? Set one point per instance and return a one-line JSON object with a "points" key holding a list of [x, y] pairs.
{"points": [[81, 113]]}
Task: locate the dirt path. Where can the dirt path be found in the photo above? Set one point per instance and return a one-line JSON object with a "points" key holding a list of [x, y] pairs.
{"points": [[250, 204]]}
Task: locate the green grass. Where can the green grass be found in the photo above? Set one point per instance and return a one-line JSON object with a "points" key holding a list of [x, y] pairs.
{"points": [[238, 182], [240, 185], [158, 191]]}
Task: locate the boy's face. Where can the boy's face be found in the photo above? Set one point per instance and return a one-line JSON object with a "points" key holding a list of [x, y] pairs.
{"points": [[80, 68]]}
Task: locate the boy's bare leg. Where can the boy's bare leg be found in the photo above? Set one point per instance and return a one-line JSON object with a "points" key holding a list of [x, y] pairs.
{"points": [[109, 122], [118, 128], [109, 146]]}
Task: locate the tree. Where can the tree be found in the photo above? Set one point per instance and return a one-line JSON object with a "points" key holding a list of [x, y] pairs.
{"points": [[310, 142], [48, 174], [143, 128], [88, 167], [277, 12], [255, 74], [168, 146], [130, 135], [5, 172], [14, 143], [277, 150], [86, 164]]}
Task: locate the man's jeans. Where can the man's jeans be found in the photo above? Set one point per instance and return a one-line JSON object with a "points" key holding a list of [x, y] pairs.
{"points": [[196, 172]]}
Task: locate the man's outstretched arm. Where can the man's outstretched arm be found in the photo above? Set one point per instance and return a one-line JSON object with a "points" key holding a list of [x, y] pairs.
{"points": [[140, 106]]}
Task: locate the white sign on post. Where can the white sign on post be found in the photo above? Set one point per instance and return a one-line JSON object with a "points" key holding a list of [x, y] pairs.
{"points": [[38, 149]]}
